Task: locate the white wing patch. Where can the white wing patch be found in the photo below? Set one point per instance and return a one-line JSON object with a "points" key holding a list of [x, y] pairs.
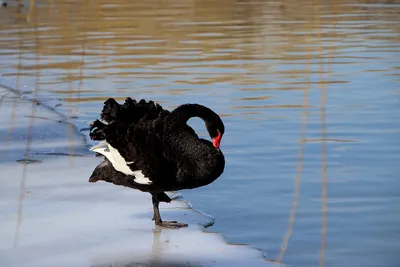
{"points": [[119, 162], [140, 178]]}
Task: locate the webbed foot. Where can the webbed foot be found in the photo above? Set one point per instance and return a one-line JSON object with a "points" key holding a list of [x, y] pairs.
{"points": [[171, 224]]}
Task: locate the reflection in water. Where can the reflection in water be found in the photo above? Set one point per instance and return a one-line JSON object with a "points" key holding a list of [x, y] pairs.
{"points": [[323, 148], [22, 190], [124, 45], [155, 259], [297, 183], [149, 264], [267, 67]]}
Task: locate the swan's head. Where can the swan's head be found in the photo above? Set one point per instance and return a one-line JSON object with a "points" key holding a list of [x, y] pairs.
{"points": [[216, 130]]}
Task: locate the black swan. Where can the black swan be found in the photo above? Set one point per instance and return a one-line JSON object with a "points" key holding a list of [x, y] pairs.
{"points": [[155, 150]]}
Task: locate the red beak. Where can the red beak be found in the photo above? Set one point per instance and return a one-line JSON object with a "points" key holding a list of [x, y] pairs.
{"points": [[217, 140]]}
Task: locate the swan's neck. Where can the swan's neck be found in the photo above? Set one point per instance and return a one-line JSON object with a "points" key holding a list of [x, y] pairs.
{"points": [[184, 112]]}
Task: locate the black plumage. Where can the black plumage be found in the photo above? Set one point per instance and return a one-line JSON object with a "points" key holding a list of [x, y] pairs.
{"points": [[154, 150]]}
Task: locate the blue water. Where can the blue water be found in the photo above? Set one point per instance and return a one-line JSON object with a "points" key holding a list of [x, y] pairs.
{"points": [[309, 94]]}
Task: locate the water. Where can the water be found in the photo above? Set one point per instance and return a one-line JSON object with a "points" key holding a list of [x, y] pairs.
{"points": [[309, 93]]}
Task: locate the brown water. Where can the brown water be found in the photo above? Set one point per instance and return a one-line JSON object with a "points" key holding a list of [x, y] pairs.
{"points": [[309, 92]]}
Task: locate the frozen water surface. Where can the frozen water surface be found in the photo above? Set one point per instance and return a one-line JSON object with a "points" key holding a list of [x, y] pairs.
{"points": [[50, 215]]}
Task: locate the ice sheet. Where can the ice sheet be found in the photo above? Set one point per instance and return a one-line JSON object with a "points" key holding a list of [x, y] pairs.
{"points": [[53, 216]]}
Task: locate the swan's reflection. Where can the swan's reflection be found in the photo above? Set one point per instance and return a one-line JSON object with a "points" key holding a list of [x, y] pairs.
{"points": [[157, 245], [154, 259]]}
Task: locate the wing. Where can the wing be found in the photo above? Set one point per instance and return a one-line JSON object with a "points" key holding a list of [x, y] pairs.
{"points": [[158, 155], [139, 149], [131, 111], [119, 163]]}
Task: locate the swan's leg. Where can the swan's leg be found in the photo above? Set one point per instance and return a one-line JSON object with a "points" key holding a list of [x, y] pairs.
{"points": [[157, 217], [162, 197]]}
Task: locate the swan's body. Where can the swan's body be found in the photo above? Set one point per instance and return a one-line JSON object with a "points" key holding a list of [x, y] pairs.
{"points": [[154, 150]]}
